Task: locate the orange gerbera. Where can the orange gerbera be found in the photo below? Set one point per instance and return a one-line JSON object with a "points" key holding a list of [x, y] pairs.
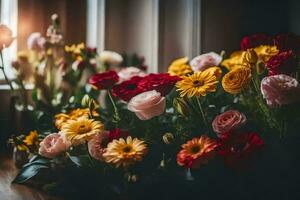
{"points": [[196, 152]]}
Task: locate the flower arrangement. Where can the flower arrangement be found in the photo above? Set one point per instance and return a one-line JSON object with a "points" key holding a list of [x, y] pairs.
{"points": [[152, 128]]}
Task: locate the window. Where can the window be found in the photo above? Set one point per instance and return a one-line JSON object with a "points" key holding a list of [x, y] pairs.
{"points": [[9, 17]]}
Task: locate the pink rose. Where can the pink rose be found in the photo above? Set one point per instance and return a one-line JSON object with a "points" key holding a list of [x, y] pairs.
{"points": [[147, 104], [53, 145], [204, 61], [129, 72], [36, 42], [228, 121], [97, 145], [280, 89]]}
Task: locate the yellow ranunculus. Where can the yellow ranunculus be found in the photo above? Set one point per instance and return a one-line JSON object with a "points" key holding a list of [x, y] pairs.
{"points": [[180, 67], [265, 52], [249, 57], [236, 80]]}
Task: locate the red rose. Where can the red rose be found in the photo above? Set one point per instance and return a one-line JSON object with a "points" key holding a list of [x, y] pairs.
{"points": [[128, 89], [282, 63], [116, 134], [104, 80], [5, 36], [285, 42], [252, 41], [162, 83], [237, 150]]}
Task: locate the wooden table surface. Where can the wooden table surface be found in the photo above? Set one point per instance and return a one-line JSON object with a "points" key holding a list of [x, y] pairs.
{"points": [[10, 191]]}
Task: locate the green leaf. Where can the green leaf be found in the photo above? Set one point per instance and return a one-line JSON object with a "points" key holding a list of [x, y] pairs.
{"points": [[29, 171], [81, 160]]}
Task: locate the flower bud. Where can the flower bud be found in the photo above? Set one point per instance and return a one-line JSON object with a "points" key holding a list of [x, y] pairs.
{"points": [[168, 138], [181, 106], [88, 102], [250, 56], [132, 178], [85, 101]]}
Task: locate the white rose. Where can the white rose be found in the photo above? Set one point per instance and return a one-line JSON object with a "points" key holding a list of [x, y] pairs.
{"points": [[204, 61], [110, 57], [129, 72]]}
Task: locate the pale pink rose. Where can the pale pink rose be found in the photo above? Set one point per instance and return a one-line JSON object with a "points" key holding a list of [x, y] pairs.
{"points": [[129, 72], [147, 105], [36, 42], [204, 61], [53, 145], [228, 121], [280, 90], [97, 145]]}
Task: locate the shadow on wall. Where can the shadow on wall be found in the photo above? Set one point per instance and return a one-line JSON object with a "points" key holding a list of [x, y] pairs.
{"points": [[225, 23]]}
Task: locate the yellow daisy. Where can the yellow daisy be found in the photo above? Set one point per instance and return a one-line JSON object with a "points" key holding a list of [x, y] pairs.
{"points": [[180, 67], [125, 152], [61, 118], [31, 138], [198, 84], [81, 130]]}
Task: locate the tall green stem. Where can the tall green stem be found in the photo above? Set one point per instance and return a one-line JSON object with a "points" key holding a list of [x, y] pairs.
{"points": [[4, 73], [117, 116], [202, 113]]}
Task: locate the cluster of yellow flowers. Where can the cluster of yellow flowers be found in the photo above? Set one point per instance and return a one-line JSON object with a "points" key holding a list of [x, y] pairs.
{"points": [[240, 65], [75, 50], [78, 128]]}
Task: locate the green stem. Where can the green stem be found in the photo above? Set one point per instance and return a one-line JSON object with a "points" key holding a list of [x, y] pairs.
{"points": [[202, 113], [89, 155], [117, 116], [4, 74]]}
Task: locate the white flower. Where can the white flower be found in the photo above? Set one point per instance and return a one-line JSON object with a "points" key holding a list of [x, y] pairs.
{"points": [[129, 72], [204, 61], [110, 57], [36, 41], [147, 105]]}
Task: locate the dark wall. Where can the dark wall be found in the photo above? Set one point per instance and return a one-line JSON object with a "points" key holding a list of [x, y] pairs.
{"points": [[224, 23]]}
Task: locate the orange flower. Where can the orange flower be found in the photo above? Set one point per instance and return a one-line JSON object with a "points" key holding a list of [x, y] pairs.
{"points": [[196, 152]]}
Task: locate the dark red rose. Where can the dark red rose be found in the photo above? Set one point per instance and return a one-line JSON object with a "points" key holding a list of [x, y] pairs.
{"points": [[116, 134], [285, 42], [128, 89], [104, 80], [162, 83], [282, 63], [238, 150], [252, 41], [6, 37]]}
